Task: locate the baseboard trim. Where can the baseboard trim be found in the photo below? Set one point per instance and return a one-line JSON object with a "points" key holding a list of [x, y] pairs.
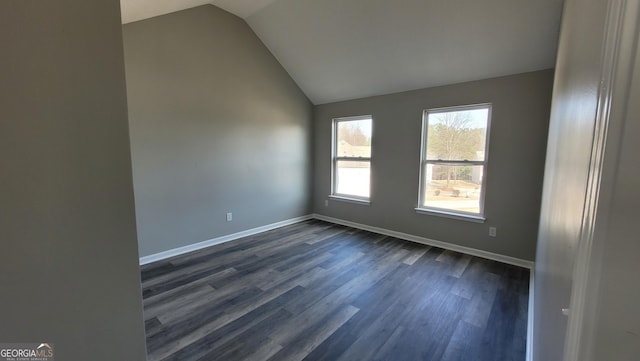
{"points": [[529, 354], [218, 240], [431, 242], [409, 237]]}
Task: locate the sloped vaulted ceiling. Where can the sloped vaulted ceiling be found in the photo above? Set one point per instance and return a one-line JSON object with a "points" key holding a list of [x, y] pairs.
{"points": [[345, 49]]}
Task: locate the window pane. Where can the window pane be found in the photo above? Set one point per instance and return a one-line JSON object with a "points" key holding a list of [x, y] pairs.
{"points": [[354, 138], [457, 135], [453, 187], [352, 178]]}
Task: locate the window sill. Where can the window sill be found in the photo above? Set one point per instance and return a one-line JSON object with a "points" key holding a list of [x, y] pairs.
{"points": [[458, 216], [364, 202]]}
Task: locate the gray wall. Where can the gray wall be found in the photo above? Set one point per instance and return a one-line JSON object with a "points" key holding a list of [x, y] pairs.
{"points": [[591, 267], [217, 126], [514, 177], [69, 263]]}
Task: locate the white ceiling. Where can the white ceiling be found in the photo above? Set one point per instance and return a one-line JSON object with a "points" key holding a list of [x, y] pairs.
{"points": [[345, 49], [134, 10]]}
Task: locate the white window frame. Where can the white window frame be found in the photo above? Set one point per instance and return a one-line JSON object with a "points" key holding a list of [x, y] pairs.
{"points": [[445, 212], [335, 159]]}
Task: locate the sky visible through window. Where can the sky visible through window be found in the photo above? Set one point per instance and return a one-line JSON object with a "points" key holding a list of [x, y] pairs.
{"points": [[478, 117]]}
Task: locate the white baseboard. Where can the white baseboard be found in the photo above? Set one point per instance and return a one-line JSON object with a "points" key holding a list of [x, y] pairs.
{"points": [[430, 242], [218, 240], [409, 237], [529, 356]]}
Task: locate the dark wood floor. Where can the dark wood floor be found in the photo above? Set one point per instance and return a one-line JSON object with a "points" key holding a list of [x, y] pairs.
{"points": [[319, 291]]}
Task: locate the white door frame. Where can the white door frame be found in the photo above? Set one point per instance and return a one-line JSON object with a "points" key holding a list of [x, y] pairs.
{"points": [[618, 52]]}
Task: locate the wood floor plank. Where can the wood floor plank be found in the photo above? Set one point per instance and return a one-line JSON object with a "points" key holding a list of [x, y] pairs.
{"points": [[227, 329], [461, 265], [333, 346], [306, 341], [156, 269], [387, 312], [249, 342], [482, 302], [177, 273], [164, 307], [463, 343], [294, 272], [320, 291], [264, 352], [181, 280], [414, 256], [391, 346], [467, 283]]}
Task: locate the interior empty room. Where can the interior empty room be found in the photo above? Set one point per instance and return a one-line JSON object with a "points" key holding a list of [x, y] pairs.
{"points": [[319, 180]]}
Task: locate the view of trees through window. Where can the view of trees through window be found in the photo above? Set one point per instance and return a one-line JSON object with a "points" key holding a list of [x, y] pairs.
{"points": [[453, 165], [352, 157], [352, 134]]}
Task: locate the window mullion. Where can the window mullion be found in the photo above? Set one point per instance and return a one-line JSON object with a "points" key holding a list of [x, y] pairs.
{"points": [[455, 162], [354, 159]]}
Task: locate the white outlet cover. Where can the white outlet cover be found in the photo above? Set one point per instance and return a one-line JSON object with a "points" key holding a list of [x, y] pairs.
{"points": [[492, 231]]}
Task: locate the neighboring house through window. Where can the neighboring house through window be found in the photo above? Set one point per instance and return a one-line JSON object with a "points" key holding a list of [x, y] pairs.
{"points": [[351, 158], [454, 160]]}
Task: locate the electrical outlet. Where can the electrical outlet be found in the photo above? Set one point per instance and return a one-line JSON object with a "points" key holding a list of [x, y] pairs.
{"points": [[229, 217], [326, 203], [492, 231]]}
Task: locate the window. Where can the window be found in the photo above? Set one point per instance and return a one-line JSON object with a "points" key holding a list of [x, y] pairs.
{"points": [[351, 158], [454, 160]]}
